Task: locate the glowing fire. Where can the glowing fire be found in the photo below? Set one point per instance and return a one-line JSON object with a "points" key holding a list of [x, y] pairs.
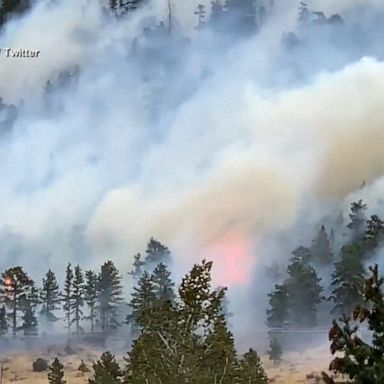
{"points": [[232, 259], [8, 282]]}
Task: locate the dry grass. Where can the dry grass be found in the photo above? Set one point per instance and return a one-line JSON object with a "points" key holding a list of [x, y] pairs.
{"points": [[293, 370]]}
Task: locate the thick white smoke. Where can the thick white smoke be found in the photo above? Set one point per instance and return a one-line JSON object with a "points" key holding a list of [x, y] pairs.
{"points": [[230, 144]]}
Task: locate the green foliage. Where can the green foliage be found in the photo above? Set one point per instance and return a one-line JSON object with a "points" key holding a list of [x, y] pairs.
{"points": [[321, 250], [90, 296], [374, 232], [157, 253], [278, 312], [361, 361], [3, 321], [163, 285], [17, 290], [83, 368], [185, 340], [358, 219], [67, 296], [56, 373], [106, 370], [251, 369], [77, 297], [304, 292], [275, 351], [347, 280], [29, 325], [49, 296], [109, 297]]}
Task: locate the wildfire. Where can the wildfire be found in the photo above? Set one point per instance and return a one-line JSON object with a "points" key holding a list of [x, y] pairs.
{"points": [[8, 282], [232, 259]]}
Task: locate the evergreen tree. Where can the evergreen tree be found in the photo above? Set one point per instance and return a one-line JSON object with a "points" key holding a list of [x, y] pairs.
{"points": [[91, 295], [251, 369], [109, 297], [142, 304], [241, 14], [347, 280], [157, 253], [29, 325], [275, 351], [220, 361], [358, 219], [304, 254], [217, 12], [200, 12], [3, 321], [278, 313], [187, 340], [304, 292], [138, 265], [67, 296], [77, 298], [16, 289], [83, 368], [12, 7], [360, 360], [49, 298], [163, 285], [374, 232], [321, 250], [56, 373], [106, 370]]}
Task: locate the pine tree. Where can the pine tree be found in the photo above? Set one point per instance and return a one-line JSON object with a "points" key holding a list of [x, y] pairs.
{"points": [[83, 368], [12, 7], [142, 303], [106, 370], [157, 253], [163, 285], [217, 12], [109, 298], [374, 232], [200, 12], [138, 265], [358, 219], [220, 361], [16, 286], [185, 341], [49, 297], [3, 321], [29, 325], [77, 297], [304, 292], [360, 360], [67, 296], [321, 250], [347, 280], [91, 295], [275, 351], [251, 369], [56, 373], [278, 313]]}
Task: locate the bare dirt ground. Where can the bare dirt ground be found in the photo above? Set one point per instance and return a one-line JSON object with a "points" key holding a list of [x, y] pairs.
{"points": [[296, 367]]}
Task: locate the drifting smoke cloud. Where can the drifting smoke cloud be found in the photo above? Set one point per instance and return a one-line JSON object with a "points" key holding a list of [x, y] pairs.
{"points": [[223, 144]]}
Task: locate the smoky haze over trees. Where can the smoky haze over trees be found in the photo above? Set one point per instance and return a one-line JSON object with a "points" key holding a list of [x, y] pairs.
{"points": [[196, 123]]}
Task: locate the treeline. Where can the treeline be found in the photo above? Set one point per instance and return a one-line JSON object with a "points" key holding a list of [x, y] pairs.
{"points": [[181, 336], [296, 301], [88, 298]]}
